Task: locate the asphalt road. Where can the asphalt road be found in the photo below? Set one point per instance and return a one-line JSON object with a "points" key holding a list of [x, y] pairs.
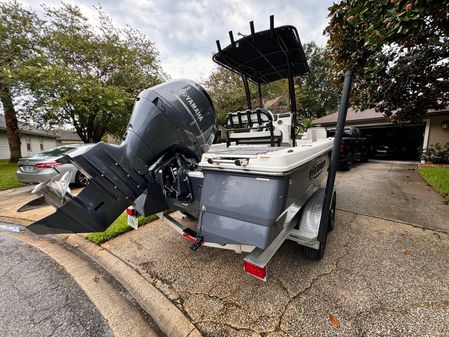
{"points": [[38, 298]]}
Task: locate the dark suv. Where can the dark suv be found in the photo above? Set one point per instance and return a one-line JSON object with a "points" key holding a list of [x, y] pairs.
{"points": [[353, 147]]}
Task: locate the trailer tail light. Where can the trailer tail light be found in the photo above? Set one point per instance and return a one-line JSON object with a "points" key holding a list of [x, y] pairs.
{"points": [[256, 271], [50, 164], [131, 211]]}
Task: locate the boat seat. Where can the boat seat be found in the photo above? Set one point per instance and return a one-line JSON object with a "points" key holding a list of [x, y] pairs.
{"points": [[252, 127]]}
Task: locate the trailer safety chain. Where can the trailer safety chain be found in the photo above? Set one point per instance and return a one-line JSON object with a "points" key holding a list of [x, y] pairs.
{"points": [[199, 239]]}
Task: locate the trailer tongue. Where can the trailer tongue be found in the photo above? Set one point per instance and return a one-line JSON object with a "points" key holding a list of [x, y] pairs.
{"points": [[249, 194]]}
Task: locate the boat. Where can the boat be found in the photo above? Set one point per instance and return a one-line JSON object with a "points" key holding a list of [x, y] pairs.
{"points": [[262, 185]]}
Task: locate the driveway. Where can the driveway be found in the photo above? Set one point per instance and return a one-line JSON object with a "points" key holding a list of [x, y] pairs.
{"points": [[380, 276], [393, 191]]}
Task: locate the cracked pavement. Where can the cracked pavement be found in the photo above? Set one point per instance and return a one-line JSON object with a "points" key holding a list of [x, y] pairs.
{"points": [[39, 298], [378, 277]]}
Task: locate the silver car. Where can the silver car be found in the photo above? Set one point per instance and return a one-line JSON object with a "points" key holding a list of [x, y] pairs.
{"points": [[43, 166]]}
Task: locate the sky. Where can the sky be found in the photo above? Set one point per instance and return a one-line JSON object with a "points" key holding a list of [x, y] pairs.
{"points": [[185, 31]]}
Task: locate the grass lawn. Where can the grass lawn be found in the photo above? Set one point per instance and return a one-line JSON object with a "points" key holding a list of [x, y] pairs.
{"points": [[8, 177], [438, 178], [118, 227]]}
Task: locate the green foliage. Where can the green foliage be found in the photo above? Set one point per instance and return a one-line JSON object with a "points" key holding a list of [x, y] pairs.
{"points": [[436, 154], [88, 76], [437, 177], [305, 123], [8, 178], [317, 94], [399, 50], [117, 228], [227, 92], [20, 31]]}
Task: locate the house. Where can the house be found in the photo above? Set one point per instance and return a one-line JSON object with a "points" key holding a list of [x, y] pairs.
{"points": [[34, 140], [407, 139], [67, 137]]}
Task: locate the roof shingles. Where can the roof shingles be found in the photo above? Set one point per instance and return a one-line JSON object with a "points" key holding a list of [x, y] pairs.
{"points": [[353, 116], [31, 130]]}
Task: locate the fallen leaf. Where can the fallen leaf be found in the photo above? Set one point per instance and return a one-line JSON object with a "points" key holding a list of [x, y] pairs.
{"points": [[406, 252], [335, 322], [96, 279]]}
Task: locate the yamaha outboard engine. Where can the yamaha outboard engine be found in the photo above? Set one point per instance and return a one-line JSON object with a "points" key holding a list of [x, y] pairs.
{"points": [[171, 121]]}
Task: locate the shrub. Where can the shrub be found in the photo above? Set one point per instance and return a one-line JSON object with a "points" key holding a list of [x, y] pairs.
{"points": [[436, 154]]}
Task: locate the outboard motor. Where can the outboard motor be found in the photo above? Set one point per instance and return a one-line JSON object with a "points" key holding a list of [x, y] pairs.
{"points": [[174, 119]]}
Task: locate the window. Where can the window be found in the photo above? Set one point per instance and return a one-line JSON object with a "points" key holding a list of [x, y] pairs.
{"points": [[42, 147], [28, 146]]}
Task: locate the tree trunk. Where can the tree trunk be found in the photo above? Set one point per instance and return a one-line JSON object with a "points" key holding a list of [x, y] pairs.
{"points": [[12, 127]]}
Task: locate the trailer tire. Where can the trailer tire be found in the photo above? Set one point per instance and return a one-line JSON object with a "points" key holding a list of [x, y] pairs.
{"points": [[315, 254], [331, 224]]}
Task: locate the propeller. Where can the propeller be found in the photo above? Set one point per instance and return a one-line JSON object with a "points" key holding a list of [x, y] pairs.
{"points": [[54, 192]]}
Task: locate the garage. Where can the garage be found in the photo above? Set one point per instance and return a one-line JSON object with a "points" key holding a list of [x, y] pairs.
{"points": [[390, 141], [395, 142]]}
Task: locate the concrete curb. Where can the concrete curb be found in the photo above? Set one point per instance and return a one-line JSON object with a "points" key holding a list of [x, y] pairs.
{"points": [[165, 314], [113, 306]]}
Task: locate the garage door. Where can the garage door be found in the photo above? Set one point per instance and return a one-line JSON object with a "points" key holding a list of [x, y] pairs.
{"points": [[395, 142]]}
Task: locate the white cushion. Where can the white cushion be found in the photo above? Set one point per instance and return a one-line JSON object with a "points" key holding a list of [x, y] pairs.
{"points": [[255, 134]]}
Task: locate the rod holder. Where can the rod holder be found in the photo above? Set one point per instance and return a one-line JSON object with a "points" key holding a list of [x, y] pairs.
{"points": [[231, 37]]}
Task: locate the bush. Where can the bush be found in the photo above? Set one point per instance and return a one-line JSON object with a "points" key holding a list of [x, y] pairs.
{"points": [[436, 154]]}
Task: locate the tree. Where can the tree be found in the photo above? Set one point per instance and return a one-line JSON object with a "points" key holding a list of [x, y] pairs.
{"points": [[317, 93], [399, 50], [19, 35], [227, 92], [88, 76]]}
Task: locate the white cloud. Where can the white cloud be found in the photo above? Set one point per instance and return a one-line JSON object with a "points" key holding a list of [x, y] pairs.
{"points": [[185, 31]]}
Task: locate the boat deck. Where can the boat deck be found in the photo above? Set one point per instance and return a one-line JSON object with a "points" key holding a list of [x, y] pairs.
{"points": [[244, 150]]}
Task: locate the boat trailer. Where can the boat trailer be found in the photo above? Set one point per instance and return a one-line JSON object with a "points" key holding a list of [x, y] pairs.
{"points": [[260, 187]]}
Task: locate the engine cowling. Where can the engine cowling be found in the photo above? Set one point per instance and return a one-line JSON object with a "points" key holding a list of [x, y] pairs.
{"points": [[174, 117]]}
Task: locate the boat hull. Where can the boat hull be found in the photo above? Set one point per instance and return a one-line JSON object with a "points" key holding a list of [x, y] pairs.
{"points": [[242, 207]]}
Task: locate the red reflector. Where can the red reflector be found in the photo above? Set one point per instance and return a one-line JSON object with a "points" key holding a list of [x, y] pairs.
{"points": [[191, 238], [131, 211], [48, 165], [342, 147], [256, 271]]}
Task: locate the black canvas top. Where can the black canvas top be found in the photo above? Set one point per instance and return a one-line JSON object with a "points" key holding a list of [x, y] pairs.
{"points": [[261, 56]]}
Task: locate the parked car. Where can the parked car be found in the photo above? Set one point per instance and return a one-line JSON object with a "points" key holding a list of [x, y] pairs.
{"points": [[43, 166], [353, 147], [388, 151]]}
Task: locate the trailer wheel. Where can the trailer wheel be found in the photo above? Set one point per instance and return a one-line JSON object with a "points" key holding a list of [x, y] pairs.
{"points": [[331, 225], [315, 254]]}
